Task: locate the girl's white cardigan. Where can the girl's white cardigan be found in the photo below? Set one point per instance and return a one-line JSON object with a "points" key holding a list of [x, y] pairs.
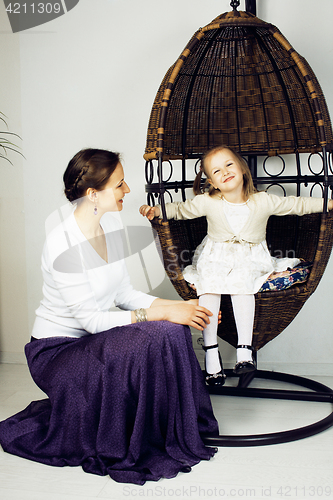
{"points": [[262, 205]]}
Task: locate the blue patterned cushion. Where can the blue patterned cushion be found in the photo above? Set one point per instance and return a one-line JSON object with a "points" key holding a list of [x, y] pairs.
{"points": [[286, 279]]}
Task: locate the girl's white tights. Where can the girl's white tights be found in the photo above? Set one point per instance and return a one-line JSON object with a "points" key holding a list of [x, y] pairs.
{"points": [[212, 302], [243, 308]]}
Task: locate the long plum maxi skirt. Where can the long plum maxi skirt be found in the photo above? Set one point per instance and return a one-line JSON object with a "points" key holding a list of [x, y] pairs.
{"points": [[129, 402]]}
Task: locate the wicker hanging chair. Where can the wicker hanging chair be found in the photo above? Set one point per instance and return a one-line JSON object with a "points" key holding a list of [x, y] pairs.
{"points": [[240, 83]]}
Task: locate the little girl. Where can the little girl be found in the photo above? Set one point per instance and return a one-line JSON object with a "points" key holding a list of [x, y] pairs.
{"points": [[233, 258]]}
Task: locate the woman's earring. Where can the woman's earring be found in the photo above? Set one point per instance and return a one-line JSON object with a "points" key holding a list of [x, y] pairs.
{"points": [[95, 207]]}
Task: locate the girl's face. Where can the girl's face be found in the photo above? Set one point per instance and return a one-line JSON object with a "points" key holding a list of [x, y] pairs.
{"points": [[110, 198], [225, 174]]}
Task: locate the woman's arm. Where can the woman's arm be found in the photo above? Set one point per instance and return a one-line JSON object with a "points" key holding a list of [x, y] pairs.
{"points": [[178, 311]]}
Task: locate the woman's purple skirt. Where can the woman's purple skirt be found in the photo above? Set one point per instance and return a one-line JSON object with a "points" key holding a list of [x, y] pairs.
{"points": [[129, 402]]}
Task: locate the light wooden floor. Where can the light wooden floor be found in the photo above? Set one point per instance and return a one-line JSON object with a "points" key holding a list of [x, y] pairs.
{"points": [[297, 470]]}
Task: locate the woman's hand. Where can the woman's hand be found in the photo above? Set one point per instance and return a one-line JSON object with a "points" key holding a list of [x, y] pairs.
{"points": [[330, 205], [220, 313], [187, 313], [149, 212], [180, 312]]}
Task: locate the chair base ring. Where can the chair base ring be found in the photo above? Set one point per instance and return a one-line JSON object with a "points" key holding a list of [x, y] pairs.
{"points": [[318, 392]]}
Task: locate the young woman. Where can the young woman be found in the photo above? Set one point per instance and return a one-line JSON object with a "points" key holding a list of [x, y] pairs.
{"points": [[233, 258], [126, 396]]}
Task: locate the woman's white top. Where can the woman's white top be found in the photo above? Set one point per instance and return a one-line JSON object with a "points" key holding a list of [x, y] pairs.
{"points": [[80, 287]]}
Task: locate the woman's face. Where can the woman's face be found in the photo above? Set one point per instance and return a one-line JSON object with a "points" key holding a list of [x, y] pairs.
{"points": [[110, 198]]}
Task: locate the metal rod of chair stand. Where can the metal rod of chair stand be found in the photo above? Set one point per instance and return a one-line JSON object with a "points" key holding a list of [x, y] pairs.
{"points": [[251, 7]]}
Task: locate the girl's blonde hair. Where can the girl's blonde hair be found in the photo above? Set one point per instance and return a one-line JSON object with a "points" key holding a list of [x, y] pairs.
{"points": [[248, 186]]}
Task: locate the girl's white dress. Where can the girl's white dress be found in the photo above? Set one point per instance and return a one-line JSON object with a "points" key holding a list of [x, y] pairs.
{"points": [[233, 267]]}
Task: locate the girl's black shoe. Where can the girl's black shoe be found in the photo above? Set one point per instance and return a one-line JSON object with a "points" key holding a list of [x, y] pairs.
{"points": [[245, 366], [214, 378]]}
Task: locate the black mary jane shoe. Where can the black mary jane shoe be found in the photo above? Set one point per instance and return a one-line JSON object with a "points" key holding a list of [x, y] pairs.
{"points": [[214, 378], [245, 366], [186, 469]]}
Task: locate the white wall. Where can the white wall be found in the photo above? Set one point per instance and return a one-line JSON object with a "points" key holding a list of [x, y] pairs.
{"points": [[88, 79]]}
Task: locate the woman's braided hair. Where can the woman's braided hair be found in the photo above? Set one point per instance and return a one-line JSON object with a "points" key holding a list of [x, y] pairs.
{"points": [[89, 168]]}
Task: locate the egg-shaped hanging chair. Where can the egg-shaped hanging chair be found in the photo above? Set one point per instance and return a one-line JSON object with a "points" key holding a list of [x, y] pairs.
{"points": [[240, 83]]}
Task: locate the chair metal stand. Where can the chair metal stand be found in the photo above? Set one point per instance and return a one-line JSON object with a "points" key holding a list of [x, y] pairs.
{"points": [[317, 392]]}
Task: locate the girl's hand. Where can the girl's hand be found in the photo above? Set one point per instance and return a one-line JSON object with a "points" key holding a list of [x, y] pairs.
{"points": [[330, 204], [149, 212]]}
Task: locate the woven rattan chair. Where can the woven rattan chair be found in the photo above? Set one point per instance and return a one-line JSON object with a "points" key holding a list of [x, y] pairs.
{"points": [[240, 83]]}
